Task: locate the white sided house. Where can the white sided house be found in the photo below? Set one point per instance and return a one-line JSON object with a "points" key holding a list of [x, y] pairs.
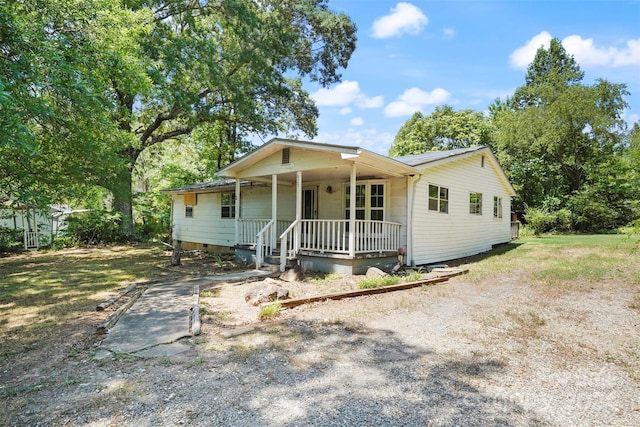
{"points": [[40, 226], [334, 208]]}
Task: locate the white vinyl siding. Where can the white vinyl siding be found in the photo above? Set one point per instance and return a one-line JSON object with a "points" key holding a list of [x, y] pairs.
{"points": [[458, 234], [208, 226]]}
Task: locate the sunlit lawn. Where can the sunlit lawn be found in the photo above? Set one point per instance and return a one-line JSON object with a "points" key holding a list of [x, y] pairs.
{"points": [[565, 263], [42, 291]]}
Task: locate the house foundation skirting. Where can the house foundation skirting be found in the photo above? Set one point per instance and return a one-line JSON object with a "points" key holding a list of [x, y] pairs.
{"points": [[216, 249], [342, 264], [326, 262]]}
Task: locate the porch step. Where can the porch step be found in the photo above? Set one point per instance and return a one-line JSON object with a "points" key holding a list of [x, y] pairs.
{"points": [[275, 260]]}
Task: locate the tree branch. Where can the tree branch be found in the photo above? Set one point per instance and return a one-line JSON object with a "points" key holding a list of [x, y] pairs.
{"points": [[160, 118], [170, 135]]}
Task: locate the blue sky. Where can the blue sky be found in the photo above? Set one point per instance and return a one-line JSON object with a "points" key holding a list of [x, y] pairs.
{"points": [[413, 56]]}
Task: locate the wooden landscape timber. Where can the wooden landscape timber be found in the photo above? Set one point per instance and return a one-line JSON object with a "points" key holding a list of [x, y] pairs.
{"points": [[195, 311], [113, 319], [110, 302], [443, 276]]}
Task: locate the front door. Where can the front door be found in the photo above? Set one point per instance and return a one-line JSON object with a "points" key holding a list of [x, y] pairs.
{"points": [[309, 211], [309, 203]]}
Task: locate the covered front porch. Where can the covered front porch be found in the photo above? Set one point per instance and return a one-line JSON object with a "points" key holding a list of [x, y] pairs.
{"points": [[332, 210], [319, 242]]}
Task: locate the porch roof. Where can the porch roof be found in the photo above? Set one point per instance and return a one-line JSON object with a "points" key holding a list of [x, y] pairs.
{"points": [[369, 164]]}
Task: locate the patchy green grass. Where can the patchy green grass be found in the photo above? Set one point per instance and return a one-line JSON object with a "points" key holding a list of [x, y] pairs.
{"points": [[414, 276], [270, 311], [562, 263], [377, 282], [320, 278], [42, 293]]}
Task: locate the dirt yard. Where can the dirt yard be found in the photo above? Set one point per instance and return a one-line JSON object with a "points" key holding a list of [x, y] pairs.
{"points": [[540, 333]]}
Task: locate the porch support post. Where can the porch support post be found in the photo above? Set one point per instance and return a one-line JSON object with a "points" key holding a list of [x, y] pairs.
{"points": [[352, 212], [237, 219], [298, 209], [274, 209]]}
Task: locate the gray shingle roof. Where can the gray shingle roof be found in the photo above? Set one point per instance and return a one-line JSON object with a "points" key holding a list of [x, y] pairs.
{"points": [[432, 156], [206, 185]]}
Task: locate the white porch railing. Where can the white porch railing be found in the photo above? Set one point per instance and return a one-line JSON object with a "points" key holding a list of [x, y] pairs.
{"points": [[266, 238], [332, 235], [263, 243], [288, 243], [324, 235], [249, 229], [377, 236]]}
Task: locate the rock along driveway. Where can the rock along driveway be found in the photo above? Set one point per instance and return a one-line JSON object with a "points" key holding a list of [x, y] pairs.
{"points": [[160, 317]]}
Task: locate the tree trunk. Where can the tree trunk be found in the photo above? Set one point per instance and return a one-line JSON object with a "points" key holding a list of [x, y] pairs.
{"points": [[177, 247], [123, 202]]}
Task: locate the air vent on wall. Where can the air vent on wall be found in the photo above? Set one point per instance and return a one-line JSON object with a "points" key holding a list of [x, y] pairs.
{"points": [[286, 152]]}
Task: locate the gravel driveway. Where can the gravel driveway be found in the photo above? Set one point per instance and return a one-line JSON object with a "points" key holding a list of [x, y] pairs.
{"points": [[458, 353]]}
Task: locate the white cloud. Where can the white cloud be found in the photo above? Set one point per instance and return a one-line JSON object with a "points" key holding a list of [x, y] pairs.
{"points": [[345, 110], [523, 56], [448, 33], [344, 94], [340, 95], [375, 102], [415, 99], [585, 52], [404, 18], [628, 56], [357, 121]]}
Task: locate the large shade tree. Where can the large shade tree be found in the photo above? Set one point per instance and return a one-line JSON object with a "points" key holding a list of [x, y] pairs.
{"points": [[237, 62], [557, 136], [57, 133], [113, 78]]}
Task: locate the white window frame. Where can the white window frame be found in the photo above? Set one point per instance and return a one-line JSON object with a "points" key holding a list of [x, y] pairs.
{"points": [[475, 207], [188, 211], [497, 207], [231, 206], [367, 199], [438, 199]]}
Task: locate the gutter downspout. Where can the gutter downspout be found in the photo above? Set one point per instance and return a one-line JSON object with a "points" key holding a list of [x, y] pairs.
{"points": [[411, 192]]}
